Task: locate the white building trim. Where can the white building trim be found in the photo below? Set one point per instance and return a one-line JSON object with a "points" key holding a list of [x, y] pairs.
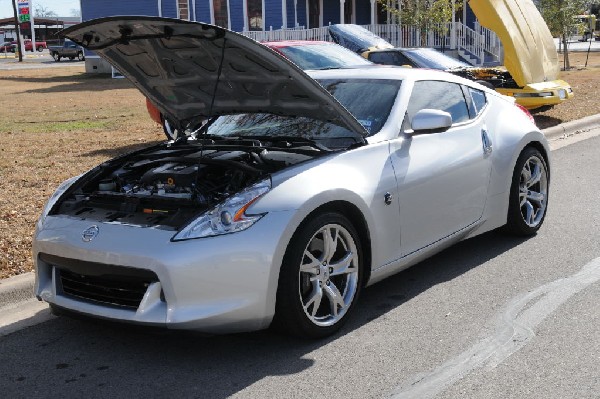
{"points": [[211, 6], [228, 16]]}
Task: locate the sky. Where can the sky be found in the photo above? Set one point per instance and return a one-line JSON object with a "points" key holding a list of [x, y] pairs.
{"points": [[61, 7]]}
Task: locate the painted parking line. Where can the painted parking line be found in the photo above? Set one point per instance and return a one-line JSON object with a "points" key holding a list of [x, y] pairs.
{"points": [[516, 324]]}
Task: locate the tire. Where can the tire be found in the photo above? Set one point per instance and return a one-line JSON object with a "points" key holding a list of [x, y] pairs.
{"points": [[317, 287], [56, 57], [40, 48], [80, 56], [71, 58], [528, 194]]}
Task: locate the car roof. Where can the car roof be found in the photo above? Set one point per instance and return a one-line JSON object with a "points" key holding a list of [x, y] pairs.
{"points": [[294, 43], [391, 72]]}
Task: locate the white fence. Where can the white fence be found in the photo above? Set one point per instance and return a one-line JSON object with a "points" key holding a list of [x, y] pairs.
{"points": [[454, 36]]}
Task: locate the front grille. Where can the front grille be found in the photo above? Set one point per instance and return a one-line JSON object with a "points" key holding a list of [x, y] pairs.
{"points": [[100, 283], [110, 290]]}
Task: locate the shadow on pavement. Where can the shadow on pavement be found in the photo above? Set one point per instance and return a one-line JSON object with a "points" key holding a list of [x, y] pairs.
{"points": [[72, 357]]}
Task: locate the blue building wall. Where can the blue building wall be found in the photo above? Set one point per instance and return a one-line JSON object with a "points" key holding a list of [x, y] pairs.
{"points": [[331, 12], [272, 11], [289, 4], [236, 10], [169, 9], [470, 22], [363, 12], [302, 13], [202, 11], [91, 9]]}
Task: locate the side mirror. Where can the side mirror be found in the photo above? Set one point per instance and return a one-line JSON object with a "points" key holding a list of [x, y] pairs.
{"points": [[431, 121]]}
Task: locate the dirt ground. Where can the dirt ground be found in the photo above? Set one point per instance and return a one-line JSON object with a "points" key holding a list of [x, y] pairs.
{"points": [[57, 123]]}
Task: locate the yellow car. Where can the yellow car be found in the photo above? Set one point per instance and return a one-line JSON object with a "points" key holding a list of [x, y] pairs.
{"points": [[530, 74]]}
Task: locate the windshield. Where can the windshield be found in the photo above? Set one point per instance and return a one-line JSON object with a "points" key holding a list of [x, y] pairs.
{"points": [[430, 58], [369, 100], [356, 38], [322, 56]]}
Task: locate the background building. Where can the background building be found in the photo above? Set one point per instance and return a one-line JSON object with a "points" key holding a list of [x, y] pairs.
{"points": [[255, 16]]}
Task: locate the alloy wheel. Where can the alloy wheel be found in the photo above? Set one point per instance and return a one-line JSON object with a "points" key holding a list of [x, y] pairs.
{"points": [[328, 275], [533, 191]]}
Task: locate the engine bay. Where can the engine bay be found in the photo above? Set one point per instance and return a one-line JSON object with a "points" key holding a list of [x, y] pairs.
{"points": [[166, 186], [497, 77]]}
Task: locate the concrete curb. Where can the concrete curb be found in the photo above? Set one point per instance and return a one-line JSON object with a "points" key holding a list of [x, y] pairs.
{"points": [[16, 289], [568, 128], [20, 288]]}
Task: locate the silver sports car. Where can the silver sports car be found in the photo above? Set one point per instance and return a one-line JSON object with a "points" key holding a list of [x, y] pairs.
{"points": [[285, 193]]}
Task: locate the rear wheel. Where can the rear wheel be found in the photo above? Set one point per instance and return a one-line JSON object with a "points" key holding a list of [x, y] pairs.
{"points": [[528, 194], [40, 48], [56, 57], [320, 278], [80, 56]]}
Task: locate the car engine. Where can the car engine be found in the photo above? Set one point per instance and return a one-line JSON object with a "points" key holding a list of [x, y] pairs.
{"points": [[168, 186]]}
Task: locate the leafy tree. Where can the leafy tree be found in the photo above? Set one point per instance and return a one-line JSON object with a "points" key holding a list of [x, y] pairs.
{"points": [[425, 15], [560, 18]]}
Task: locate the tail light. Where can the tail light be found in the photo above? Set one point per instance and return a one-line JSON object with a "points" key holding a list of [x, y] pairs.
{"points": [[522, 108]]}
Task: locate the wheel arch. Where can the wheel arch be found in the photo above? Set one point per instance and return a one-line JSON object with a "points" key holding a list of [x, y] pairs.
{"points": [[538, 146]]}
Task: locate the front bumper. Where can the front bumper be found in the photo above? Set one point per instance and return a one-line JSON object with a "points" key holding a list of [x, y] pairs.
{"points": [[218, 284], [537, 95]]}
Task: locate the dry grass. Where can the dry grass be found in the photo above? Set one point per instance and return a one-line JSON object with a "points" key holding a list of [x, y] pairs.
{"points": [[57, 123]]}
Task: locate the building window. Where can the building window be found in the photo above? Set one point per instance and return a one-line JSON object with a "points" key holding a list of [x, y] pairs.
{"points": [[220, 12], [255, 14], [183, 7]]}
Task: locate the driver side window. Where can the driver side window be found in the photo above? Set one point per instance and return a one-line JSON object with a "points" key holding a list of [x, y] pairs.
{"points": [[433, 94]]}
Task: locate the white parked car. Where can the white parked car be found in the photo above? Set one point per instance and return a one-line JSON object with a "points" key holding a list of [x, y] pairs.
{"points": [[287, 194]]}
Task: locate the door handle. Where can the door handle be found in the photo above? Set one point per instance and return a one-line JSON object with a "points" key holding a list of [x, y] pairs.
{"points": [[487, 142]]}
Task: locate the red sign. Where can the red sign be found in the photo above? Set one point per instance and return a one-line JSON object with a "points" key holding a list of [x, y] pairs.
{"points": [[24, 10]]}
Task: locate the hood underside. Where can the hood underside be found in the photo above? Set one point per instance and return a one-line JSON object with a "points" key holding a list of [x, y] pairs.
{"points": [[529, 50], [193, 70]]}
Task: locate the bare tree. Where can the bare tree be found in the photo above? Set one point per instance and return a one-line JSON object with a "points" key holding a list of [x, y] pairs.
{"points": [[560, 18], [75, 12], [41, 11]]}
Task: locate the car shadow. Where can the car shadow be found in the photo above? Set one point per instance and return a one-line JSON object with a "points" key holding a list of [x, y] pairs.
{"points": [[545, 121], [67, 355], [73, 83]]}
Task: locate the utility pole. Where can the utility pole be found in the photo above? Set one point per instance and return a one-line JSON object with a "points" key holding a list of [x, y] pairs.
{"points": [[17, 30]]}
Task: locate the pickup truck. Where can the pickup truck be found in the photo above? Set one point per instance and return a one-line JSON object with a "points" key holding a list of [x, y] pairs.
{"points": [[39, 46], [68, 50]]}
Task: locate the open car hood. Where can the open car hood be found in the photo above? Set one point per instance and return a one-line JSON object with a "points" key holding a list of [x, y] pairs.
{"points": [[529, 50], [357, 38], [193, 70]]}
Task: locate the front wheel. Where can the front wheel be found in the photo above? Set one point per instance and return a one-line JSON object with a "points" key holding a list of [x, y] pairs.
{"points": [[40, 48], [80, 56], [320, 278], [56, 57], [528, 194]]}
